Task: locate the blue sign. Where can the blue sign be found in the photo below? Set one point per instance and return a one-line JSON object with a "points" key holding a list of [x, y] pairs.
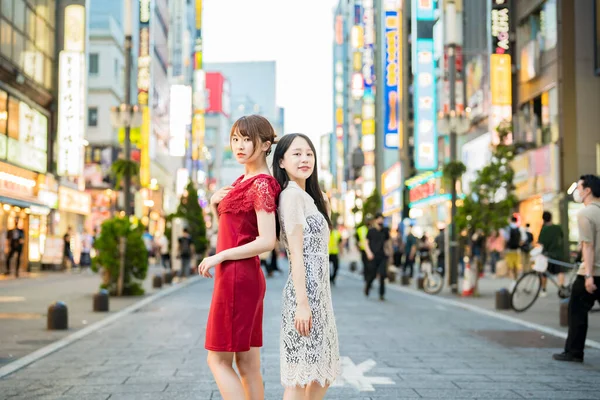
{"points": [[426, 137], [391, 107], [425, 9]]}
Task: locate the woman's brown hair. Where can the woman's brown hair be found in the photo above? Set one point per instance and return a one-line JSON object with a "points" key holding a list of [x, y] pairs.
{"points": [[255, 127]]}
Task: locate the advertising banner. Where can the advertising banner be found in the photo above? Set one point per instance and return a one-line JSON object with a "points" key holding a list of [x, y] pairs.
{"points": [[426, 137], [391, 80]]}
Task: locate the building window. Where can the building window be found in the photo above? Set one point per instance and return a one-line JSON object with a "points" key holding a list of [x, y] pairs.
{"points": [[94, 64], [538, 119], [93, 116], [541, 26], [116, 69], [597, 47]]}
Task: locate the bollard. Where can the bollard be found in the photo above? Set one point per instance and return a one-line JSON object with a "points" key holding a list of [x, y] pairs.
{"points": [[101, 301], [420, 281], [564, 312], [405, 280], [353, 266], [58, 316], [168, 277], [503, 299], [157, 282]]}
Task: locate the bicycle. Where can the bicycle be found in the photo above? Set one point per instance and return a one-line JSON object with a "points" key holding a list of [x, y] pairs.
{"points": [[433, 281], [527, 288]]}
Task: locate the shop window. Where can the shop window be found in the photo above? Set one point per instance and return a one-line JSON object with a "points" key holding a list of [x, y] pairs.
{"points": [[13, 118], [94, 64], [5, 38], [541, 26], [30, 22], [93, 116], [3, 112], [538, 119], [19, 15]]}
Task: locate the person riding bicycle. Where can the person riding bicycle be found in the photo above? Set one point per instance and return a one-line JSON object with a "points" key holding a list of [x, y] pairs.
{"points": [[424, 250], [551, 238]]}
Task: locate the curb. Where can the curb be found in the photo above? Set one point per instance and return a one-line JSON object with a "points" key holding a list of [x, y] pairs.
{"points": [[75, 336], [455, 303]]}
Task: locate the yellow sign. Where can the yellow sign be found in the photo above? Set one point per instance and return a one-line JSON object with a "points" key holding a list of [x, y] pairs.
{"points": [[198, 14], [339, 116], [368, 127], [74, 28], [145, 147], [501, 79], [134, 136]]}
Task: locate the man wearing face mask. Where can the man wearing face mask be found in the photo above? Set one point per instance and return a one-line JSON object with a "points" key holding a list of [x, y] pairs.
{"points": [[585, 288], [378, 246]]}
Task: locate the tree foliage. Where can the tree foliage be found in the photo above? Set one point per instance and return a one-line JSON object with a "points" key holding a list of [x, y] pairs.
{"points": [[371, 206], [121, 168], [189, 209], [108, 256], [491, 202]]}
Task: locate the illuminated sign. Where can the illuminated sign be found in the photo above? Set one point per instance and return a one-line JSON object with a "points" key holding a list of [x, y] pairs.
{"points": [[425, 9], [423, 191], [500, 79], [392, 203], [71, 200], [176, 37], [143, 79], [179, 119], [500, 27], [74, 28], [71, 102], [369, 40], [426, 137], [391, 79], [391, 179]]}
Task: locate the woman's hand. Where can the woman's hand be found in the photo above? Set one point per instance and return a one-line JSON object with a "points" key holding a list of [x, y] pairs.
{"points": [[303, 321], [207, 264], [219, 195]]}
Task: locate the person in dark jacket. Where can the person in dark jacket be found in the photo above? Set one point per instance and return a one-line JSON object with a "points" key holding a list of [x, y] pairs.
{"points": [[551, 237]]}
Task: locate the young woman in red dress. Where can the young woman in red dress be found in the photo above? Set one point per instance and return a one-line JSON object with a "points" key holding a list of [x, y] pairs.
{"points": [[246, 218]]}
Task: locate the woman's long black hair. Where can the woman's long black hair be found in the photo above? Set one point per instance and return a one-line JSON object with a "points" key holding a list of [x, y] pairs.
{"points": [[312, 183]]}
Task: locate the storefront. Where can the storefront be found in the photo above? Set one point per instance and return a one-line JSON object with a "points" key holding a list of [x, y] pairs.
{"points": [[20, 206], [73, 206], [430, 201], [537, 185]]}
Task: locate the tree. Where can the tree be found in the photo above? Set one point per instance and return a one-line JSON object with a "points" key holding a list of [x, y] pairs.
{"points": [[121, 168], [491, 202], [108, 256], [190, 210], [371, 206]]}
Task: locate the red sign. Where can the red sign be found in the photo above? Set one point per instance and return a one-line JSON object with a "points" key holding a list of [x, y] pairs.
{"points": [[423, 191], [218, 94]]}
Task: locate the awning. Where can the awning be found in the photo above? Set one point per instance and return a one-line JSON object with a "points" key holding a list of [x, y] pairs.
{"points": [[22, 203]]}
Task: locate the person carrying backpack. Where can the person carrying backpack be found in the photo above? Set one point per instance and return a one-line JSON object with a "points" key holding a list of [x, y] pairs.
{"points": [[526, 248], [186, 248], [515, 238]]}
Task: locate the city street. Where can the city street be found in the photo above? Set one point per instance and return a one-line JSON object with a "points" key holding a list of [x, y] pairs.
{"points": [[407, 347]]}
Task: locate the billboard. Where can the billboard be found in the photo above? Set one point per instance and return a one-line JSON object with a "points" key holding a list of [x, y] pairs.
{"points": [[217, 87], [500, 68], [391, 88], [180, 117], [426, 140]]}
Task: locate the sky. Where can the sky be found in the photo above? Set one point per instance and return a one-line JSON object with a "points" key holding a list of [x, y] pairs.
{"points": [[297, 34]]}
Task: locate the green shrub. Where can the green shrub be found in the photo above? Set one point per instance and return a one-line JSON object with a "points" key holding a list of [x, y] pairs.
{"points": [[108, 258]]}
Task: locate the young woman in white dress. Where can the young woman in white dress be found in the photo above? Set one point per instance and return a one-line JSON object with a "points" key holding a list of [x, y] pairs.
{"points": [[310, 359]]}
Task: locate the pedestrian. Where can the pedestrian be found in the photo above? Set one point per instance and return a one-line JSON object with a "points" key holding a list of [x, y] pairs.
{"points": [[515, 237], [585, 288], [16, 240], [378, 243], [440, 244], [361, 240], [273, 265], [162, 243], [87, 242], [551, 239], [310, 358], [495, 247], [335, 246], [148, 243], [245, 212], [478, 250], [410, 252], [67, 252], [186, 251], [526, 248], [424, 250]]}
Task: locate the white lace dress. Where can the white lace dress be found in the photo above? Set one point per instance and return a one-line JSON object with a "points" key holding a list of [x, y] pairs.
{"points": [[315, 358]]}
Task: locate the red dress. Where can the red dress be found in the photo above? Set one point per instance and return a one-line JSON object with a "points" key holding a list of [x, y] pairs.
{"points": [[236, 311]]}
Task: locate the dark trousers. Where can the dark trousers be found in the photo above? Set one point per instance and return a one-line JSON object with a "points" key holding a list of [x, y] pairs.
{"points": [[378, 266], [166, 260], [365, 262], [335, 260], [273, 265], [409, 266], [12, 252], [441, 264], [579, 306]]}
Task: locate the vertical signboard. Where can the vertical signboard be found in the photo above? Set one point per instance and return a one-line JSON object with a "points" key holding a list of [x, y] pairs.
{"points": [[143, 83], [500, 68], [71, 94], [176, 38], [180, 117], [199, 100], [391, 87], [426, 140]]}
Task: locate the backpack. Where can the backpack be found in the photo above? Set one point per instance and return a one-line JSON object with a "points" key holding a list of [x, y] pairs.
{"points": [[514, 239], [184, 247], [527, 245]]}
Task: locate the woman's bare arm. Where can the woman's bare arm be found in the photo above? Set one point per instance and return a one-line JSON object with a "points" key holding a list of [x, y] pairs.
{"points": [[265, 241]]}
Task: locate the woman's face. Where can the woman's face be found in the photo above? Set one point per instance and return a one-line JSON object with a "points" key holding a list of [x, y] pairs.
{"points": [[299, 160], [243, 148]]}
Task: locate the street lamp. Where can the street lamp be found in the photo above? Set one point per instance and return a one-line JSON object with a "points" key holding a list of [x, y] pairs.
{"points": [[126, 116]]}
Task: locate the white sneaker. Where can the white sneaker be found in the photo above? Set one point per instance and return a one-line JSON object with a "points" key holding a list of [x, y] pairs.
{"points": [[543, 293]]}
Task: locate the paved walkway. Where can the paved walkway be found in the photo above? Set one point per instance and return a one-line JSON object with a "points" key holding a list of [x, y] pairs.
{"points": [[405, 348], [24, 303]]}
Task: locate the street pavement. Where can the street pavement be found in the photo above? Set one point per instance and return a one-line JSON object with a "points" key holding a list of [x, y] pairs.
{"points": [[407, 347], [24, 305]]}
